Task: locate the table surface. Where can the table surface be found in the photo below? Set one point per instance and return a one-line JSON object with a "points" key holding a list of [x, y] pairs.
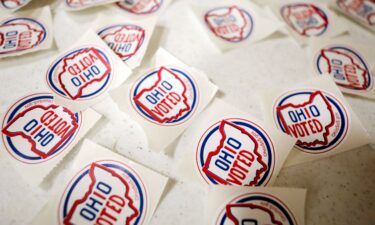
{"points": [[341, 189]]}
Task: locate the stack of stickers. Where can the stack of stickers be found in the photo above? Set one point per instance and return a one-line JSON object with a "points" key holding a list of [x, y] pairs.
{"points": [[236, 156]]}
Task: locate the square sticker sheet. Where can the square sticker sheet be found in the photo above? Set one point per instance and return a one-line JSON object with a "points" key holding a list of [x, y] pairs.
{"points": [[37, 134], [82, 75], [309, 21], [164, 98], [317, 114], [349, 62], [361, 11], [104, 188], [226, 146], [129, 39], [137, 9], [240, 206], [234, 23], [25, 32]]}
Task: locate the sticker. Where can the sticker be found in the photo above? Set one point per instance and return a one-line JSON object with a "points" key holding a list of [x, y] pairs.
{"points": [[84, 4], [85, 73], [12, 5], [165, 97], [25, 32], [305, 19], [276, 206], [361, 10], [128, 39], [233, 148], [142, 8], [317, 115], [309, 21], [235, 22], [113, 188], [230, 23], [36, 131], [317, 119], [348, 63], [104, 188]]}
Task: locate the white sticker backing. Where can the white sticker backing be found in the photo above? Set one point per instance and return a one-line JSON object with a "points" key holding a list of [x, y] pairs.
{"points": [[317, 114], [37, 134], [309, 21], [257, 206], [165, 97], [81, 76], [104, 188], [349, 62], [233, 23], [127, 38], [225, 146], [25, 32]]}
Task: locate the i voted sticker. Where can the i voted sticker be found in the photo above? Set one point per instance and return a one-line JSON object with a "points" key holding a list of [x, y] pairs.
{"points": [[316, 118], [35, 130], [348, 68], [256, 208], [105, 192], [124, 39], [232, 23], [306, 19], [140, 7], [21, 34], [13, 4], [81, 74], [235, 151], [166, 96], [363, 10]]}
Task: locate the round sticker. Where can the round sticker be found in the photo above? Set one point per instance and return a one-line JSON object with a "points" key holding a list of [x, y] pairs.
{"points": [[35, 130], [140, 7], [105, 192], [124, 39], [256, 208], [305, 19], [231, 24], [20, 34], [166, 96], [317, 119], [235, 151], [346, 66], [80, 74]]}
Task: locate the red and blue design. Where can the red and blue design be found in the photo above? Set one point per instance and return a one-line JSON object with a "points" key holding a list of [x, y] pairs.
{"points": [[81, 74], [167, 96], [316, 118], [235, 151], [232, 23], [346, 66], [35, 130], [13, 4], [20, 34], [140, 7], [305, 19], [104, 192], [256, 208], [364, 10], [124, 39]]}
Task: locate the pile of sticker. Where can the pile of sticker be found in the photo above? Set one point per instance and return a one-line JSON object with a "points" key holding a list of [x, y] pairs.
{"points": [[227, 149]]}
